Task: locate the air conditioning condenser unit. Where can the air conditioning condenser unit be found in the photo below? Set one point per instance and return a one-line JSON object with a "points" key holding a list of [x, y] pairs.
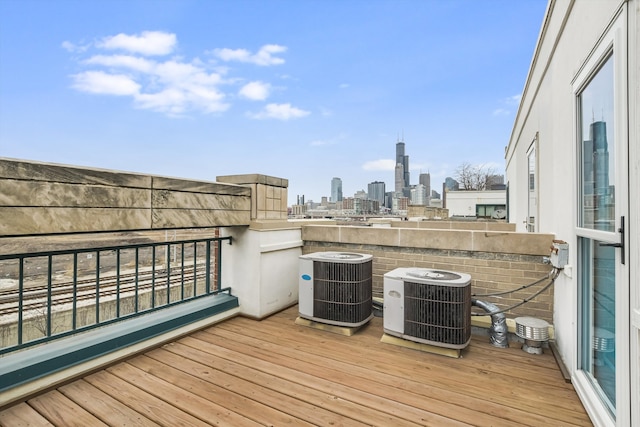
{"points": [[428, 306], [336, 288]]}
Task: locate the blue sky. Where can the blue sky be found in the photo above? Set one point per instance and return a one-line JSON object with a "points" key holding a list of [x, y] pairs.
{"points": [[303, 90]]}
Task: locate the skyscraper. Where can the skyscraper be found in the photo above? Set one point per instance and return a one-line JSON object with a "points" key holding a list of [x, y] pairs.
{"points": [[404, 161], [399, 181], [376, 191], [336, 189], [451, 184], [419, 195], [425, 179], [598, 193]]}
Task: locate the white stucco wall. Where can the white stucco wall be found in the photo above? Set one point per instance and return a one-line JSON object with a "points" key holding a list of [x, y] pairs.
{"points": [[547, 115], [260, 266]]}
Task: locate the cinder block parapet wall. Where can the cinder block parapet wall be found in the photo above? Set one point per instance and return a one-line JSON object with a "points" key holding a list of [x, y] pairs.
{"points": [[496, 261], [42, 198]]}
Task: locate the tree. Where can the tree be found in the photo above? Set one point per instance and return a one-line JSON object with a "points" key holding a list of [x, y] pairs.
{"points": [[475, 177]]}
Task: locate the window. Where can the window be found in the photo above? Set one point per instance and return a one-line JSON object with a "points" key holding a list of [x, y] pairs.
{"points": [[491, 211], [532, 185], [596, 184]]}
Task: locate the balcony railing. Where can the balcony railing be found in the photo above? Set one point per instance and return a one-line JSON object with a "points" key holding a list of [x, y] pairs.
{"points": [[50, 295]]}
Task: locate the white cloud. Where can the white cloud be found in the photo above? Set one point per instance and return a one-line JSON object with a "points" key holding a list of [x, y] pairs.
{"points": [[344, 85], [99, 82], [508, 105], [148, 43], [184, 74], [514, 100], [256, 91], [330, 141], [73, 48], [263, 57], [380, 165], [122, 61], [172, 101], [280, 112], [177, 102], [175, 86]]}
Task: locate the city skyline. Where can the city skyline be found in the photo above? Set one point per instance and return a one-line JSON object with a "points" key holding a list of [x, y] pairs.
{"points": [[304, 91], [376, 190]]}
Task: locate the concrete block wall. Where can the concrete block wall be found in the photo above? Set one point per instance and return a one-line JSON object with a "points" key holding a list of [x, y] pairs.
{"points": [[268, 195], [456, 225], [496, 261]]}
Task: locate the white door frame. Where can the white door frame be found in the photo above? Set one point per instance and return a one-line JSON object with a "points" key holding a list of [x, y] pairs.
{"points": [[614, 38]]}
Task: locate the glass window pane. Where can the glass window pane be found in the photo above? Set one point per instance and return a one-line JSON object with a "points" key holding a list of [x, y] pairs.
{"points": [[597, 150], [598, 315], [533, 199]]}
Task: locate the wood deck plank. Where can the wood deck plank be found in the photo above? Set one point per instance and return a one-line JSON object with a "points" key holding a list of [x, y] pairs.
{"points": [[205, 410], [22, 415], [103, 406], [450, 401], [274, 399], [142, 402], [274, 372], [184, 378], [471, 362], [430, 368], [312, 377], [208, 354], [60, 410], [544, 369]]}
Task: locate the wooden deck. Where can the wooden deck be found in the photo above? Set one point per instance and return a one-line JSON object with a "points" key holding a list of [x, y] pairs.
{"points": [[274, 372]]}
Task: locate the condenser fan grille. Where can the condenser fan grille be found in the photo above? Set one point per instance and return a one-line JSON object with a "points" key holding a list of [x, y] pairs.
{"points": [[342, 292], [434, 275], [438, 313]]}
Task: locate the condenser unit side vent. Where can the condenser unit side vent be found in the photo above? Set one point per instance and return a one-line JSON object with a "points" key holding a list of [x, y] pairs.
{"points": [[336, 288], [438, 314], [342, 292]]}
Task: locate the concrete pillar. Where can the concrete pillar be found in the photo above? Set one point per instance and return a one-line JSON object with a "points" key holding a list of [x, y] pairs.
{"points": [[268, 194], [261, 264]]}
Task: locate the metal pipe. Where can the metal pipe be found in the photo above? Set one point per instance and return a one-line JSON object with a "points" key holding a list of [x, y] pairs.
{"points": [[498, 330]]}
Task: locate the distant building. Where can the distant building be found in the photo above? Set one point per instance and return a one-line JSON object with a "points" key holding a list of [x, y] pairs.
{"points": [[376, 191], [399, 180], [336, 189], [388, 199], [402, 179], [451, 184], [425, 179], [361, 194], [435, 194], [400, 205], [479, 204], [298, 210], [496, 179], [419, 195]]}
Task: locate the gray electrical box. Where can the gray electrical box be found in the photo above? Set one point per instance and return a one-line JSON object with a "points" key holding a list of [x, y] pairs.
{"points": [[559, 253]]}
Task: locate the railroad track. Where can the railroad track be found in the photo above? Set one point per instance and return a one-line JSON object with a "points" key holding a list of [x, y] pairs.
{"points": [[37, 297]]}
